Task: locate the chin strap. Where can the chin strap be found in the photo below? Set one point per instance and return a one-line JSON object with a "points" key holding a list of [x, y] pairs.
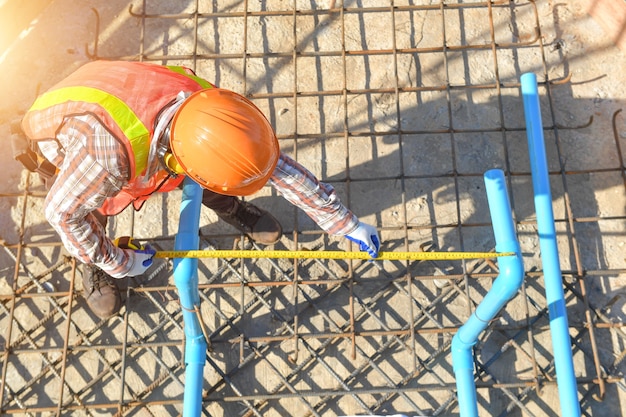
{"points": [[160, 148], [166, 158]]}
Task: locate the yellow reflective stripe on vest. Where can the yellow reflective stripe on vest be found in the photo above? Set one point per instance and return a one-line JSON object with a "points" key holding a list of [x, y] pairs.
{"points": [[180, 70], [133, 128]]}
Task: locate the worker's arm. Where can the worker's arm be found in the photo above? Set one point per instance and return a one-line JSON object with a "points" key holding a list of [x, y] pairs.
{"points": [[93, 167], [320, 202]]}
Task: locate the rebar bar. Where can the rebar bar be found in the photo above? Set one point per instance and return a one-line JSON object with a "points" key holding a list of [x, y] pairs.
{"points": [[331, 336]]}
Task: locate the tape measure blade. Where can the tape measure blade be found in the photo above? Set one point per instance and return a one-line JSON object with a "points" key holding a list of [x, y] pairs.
{"points": [[285, 254]]}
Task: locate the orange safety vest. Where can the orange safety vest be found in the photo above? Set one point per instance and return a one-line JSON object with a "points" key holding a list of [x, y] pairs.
{"points": [[126, 97]]}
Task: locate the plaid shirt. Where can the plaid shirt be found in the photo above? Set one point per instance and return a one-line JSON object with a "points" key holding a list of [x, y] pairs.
{"points": [[93, 166]]}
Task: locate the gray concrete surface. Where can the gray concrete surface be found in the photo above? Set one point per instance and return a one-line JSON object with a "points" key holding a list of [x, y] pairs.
{"points": [[402, 109]]}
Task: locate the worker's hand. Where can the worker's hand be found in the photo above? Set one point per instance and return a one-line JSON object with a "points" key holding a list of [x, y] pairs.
{"points": [[140, 260], [366, 237], [139, 256]]}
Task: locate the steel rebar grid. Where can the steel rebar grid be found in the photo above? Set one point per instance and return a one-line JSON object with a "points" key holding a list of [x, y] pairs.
{"points": [[391, 311]]}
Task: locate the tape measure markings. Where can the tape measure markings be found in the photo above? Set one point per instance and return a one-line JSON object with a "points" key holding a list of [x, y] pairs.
{"points": [[304, 254]]}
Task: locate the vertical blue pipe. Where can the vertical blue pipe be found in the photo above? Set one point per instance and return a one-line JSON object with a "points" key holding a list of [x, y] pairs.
{"points": [[504, 287], [186, 280], [553, 281]]}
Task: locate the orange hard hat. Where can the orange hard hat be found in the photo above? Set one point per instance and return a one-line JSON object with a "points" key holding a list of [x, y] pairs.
{"points": [[224, 142]]}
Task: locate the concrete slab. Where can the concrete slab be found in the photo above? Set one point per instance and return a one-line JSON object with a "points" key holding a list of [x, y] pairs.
{"points": [[402, 109]]}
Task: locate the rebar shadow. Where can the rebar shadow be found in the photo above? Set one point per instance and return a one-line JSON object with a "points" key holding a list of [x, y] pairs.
{"points": [[503, 289]]}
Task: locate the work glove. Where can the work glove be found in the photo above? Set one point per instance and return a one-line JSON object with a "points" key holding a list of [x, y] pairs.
{"points": [[141, 260], [366, 237], [139, 256]]}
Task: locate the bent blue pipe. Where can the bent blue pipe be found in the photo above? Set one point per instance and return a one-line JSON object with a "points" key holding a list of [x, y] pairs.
{"points": [[186, 281], [553, 281], [504, 287]]}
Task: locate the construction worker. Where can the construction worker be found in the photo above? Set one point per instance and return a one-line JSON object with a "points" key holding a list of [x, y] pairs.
{"points": [[113, 133]]}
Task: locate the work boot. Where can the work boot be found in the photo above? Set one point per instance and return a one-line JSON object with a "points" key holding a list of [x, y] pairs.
{"points": [[101, 292], [257, 224]]}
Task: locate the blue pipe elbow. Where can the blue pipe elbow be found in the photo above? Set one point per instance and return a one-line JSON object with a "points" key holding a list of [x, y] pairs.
{"points": [[504, 288], [186, 281]]}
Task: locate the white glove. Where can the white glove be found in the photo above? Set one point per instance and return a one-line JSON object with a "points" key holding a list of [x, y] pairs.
{"points": [[367, 238], [139, 260]]}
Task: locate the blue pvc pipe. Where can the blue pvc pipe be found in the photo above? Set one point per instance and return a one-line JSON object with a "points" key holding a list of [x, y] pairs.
{"points": [[504, 287], [186, 280], [553, 281]]}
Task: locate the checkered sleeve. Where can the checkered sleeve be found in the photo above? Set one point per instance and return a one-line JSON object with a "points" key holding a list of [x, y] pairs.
{"points": [[91, 169], [317, 199]]}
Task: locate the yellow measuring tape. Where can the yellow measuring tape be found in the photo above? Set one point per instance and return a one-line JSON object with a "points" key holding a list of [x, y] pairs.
{"points": [[304, 254]]}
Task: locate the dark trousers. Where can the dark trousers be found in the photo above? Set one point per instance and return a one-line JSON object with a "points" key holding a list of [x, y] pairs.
{"points": [[218, 202]]}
